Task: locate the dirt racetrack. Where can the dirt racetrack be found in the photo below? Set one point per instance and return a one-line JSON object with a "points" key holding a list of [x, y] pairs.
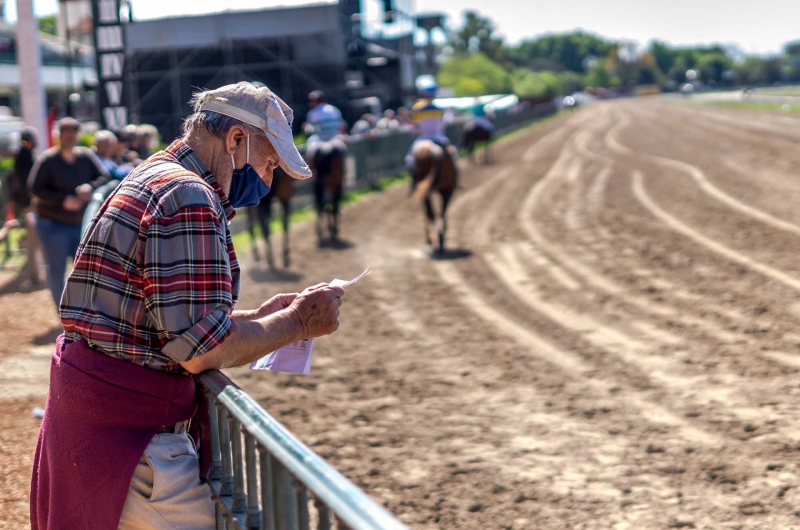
{"points": [[611, 341]]}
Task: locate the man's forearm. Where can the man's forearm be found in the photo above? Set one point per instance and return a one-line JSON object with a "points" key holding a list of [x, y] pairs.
{"points": [[247, 315], [249, 341]]}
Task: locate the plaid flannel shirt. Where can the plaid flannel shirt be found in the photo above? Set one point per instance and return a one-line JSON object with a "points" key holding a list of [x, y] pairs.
{"points": [[156, 277]]}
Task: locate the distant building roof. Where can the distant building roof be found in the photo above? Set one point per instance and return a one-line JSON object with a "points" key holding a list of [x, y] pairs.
{"points": [[179, 9], [211, 29]]}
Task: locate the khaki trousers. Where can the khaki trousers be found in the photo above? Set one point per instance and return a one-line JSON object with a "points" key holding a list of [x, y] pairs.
{"points": [[165, 491]]}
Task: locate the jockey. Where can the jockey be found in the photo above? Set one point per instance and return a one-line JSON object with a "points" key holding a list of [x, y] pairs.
{"points": [[428, 120], [480, 118], [324, 122]]}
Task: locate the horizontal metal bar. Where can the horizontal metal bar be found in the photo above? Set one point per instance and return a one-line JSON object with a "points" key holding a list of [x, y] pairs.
{"points": [[353, 507]]}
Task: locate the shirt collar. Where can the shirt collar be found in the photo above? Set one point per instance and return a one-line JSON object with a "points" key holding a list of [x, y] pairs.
{"points": [[189, 159]]}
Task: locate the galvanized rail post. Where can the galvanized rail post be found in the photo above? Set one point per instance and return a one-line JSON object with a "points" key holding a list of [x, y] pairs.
{"points": [[281, 480]]}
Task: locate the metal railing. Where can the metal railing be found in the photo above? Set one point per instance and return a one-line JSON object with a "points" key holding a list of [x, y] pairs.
{"points": [[382, 155], [263, 477]]}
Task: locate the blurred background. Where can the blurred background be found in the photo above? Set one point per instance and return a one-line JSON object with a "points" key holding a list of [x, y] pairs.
{"points": [[607, 337]]}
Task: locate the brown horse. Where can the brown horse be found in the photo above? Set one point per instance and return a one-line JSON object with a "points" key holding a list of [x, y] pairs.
{"points": [[261, 215], [475, 134], [434, 171], [327, 163]]}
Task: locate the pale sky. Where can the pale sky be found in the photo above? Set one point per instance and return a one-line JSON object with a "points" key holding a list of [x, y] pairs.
{"points": [[757, 26]]}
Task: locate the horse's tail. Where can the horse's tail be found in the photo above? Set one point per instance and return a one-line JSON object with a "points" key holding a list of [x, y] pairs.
{"points": [[433, 154]]}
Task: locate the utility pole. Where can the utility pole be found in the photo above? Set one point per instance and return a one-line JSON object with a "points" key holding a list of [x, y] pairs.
{"points": [[29, 59]]}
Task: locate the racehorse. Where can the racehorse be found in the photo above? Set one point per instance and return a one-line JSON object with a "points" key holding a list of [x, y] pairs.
{"points": [[327, 163], [474, 134], [434, 170], [281, 189]]}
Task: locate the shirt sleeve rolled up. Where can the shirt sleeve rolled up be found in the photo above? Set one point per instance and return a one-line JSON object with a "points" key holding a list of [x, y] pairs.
{"points": [[187, 281]]}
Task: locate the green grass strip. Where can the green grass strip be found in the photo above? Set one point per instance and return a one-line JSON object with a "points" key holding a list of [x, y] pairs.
{"points": [[757, 106]]}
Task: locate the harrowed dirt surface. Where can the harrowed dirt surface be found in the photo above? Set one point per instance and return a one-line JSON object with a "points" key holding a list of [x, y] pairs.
{"points": [[610, 342]]}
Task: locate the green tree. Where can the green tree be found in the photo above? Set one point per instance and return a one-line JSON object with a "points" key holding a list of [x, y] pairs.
{"points": [[678, 71], [570, 51], [599, 76], [664, 55], [483, 75], [477, 34], [47, 24], [527, 83], [468, 86], [711, 66], [792, 48]]}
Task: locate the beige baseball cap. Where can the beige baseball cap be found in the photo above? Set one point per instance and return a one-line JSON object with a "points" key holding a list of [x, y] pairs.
{"points": [[260, 107]]}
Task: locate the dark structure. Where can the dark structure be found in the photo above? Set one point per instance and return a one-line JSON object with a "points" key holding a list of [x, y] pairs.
{"points": [[293, 50]]}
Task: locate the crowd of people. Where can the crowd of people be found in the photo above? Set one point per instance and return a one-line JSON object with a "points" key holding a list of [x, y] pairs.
{"points": [[151, 297], [48, 194]]}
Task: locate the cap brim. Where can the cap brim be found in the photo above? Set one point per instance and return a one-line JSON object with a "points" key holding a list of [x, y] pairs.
{"points": [[279, 132], [290, 159]]}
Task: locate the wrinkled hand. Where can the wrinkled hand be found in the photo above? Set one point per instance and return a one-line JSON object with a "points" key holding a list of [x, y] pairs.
{"points": [[84, 192], [73, 204], [317, 310], [276, 303]]}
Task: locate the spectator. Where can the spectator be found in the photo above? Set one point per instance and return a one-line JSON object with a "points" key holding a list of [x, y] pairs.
{"points": [[388, 121], [147, 137], [62, 182], [404, 119], [123, 154], [23, 163], [105, 146], [149, 304], [131, 141], [364, 125], [7, 226]]}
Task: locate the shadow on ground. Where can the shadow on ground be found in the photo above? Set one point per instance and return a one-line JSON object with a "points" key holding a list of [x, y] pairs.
{"points": [[20, 283], [450, 254], [48, 336], [339, 244], [273, 275]]}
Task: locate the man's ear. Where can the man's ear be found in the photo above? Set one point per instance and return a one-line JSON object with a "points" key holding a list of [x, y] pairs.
{"points": [[234, 138]]}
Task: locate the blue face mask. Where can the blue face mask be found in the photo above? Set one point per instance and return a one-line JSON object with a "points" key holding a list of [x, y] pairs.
{"points": [[247, 188]]}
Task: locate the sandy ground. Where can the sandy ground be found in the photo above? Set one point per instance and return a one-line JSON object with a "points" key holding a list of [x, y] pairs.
{"points": [[610, 341]]}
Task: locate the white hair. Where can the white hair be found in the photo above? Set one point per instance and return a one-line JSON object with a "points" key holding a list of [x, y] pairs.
{"points": [[104, 136]]}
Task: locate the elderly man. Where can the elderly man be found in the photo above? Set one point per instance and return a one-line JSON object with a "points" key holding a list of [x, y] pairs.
{"points": [[149, 303], [105, 145], [62, 182]]}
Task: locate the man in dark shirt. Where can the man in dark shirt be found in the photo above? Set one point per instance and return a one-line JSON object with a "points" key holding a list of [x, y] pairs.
{"points": [[62, 182], [23, 163]]}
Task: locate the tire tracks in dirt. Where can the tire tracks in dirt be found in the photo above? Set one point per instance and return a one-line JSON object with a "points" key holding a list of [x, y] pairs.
{"points": [[702, 182]]}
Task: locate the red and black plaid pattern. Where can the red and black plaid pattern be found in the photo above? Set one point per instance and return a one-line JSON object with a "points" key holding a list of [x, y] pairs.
{"points": [[156, 277]]}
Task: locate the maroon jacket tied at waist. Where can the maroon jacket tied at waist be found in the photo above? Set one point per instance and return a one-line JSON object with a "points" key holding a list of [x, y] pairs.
{"points": [[100, 415]]}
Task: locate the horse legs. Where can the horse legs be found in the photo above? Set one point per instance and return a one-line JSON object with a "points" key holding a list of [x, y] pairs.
{"points": [[336, 199], [252, 219], [446, 196], [319, 198], [265, 219], [430, 219], [286, 213]]}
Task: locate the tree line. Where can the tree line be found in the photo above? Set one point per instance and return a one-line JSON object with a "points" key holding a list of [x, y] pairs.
{"points": [[477, 61]]}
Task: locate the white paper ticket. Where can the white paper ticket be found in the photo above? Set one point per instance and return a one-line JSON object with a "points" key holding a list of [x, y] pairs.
{"points": [[296, 357], [345, 283]]}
